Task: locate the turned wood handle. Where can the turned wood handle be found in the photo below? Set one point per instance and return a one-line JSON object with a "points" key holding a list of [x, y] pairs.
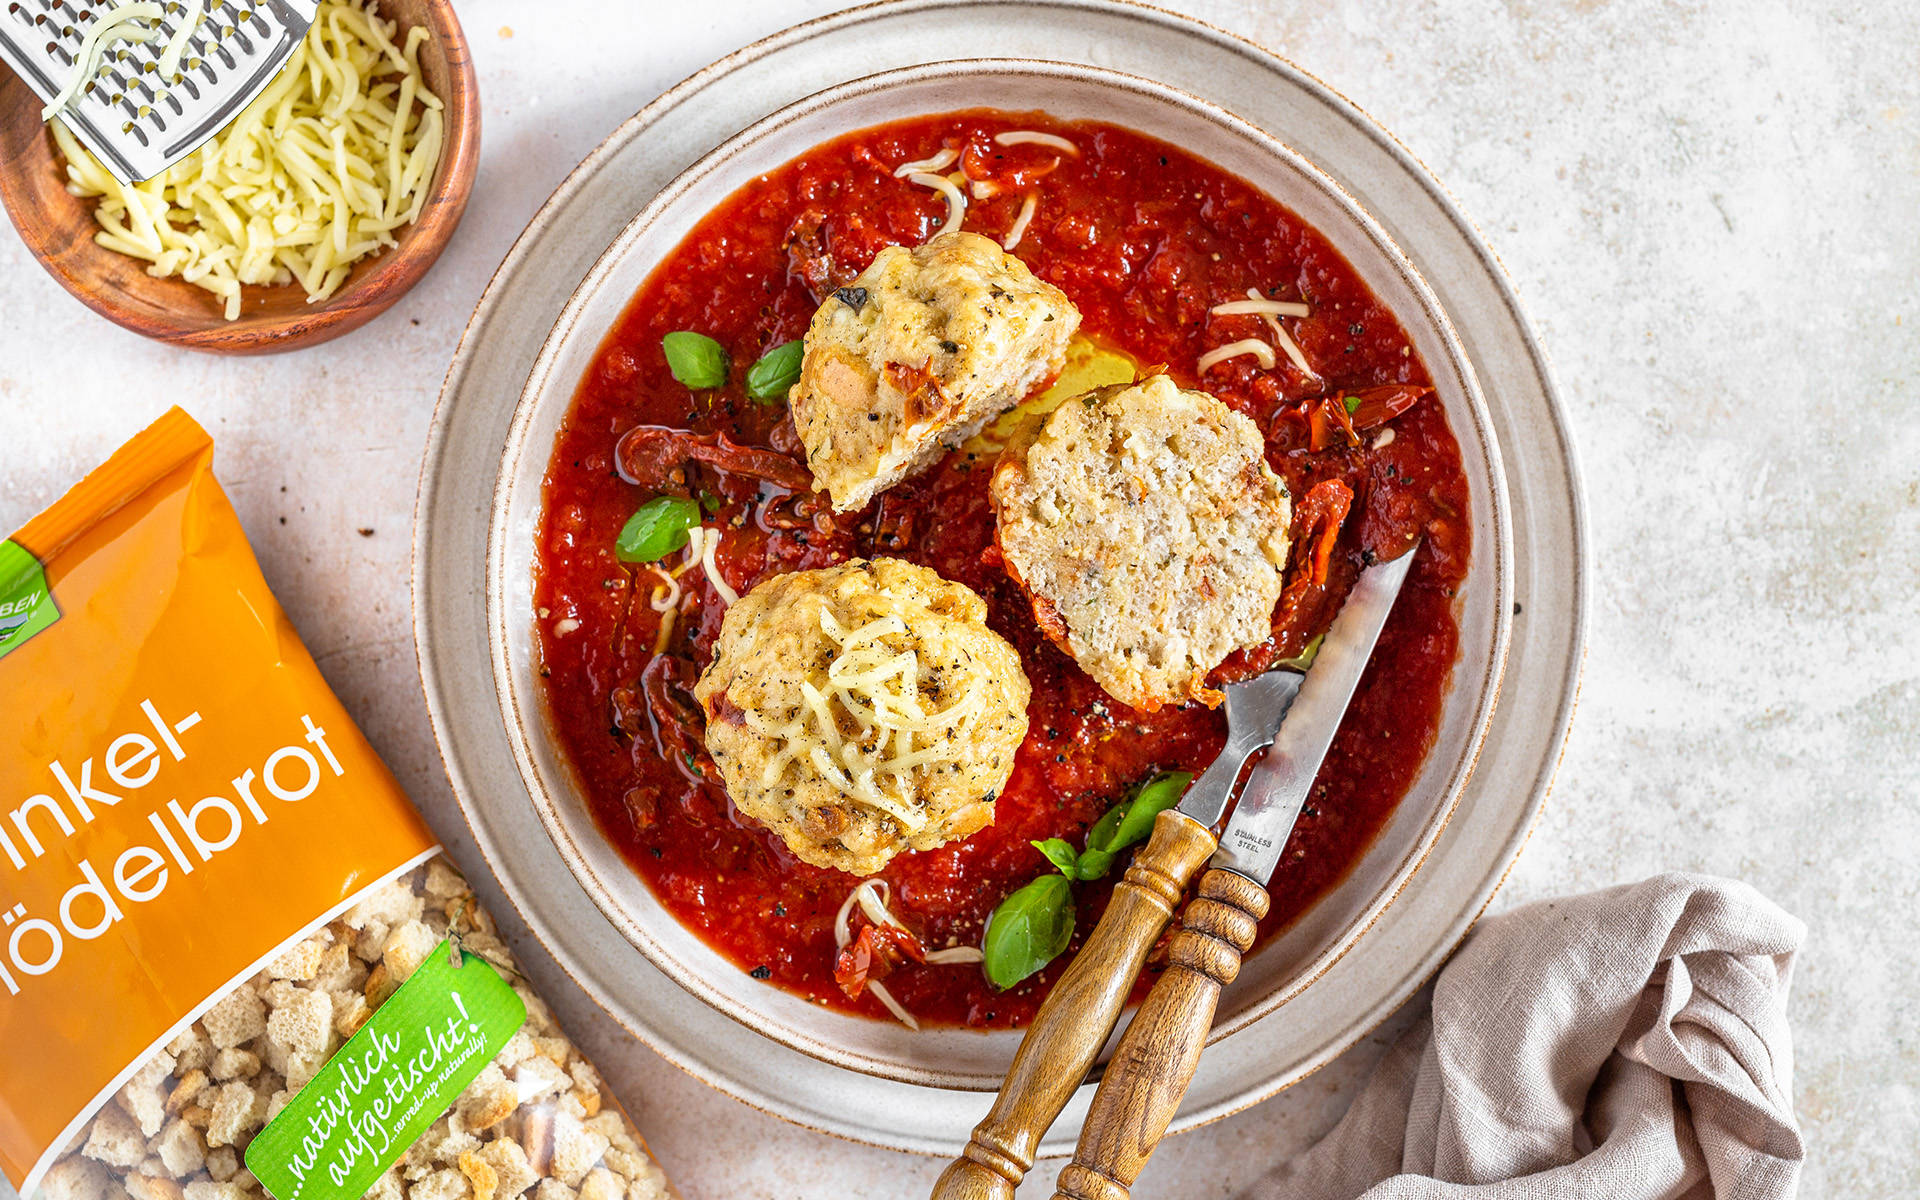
{"points": [[1081, 1010], [1157, 1055]]}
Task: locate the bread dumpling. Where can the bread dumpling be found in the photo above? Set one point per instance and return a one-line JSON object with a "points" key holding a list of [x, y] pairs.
{"points": [[1149, 533], [862, 710], [926, 346]]}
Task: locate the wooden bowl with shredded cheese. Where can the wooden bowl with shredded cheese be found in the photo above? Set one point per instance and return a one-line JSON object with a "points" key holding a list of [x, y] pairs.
{"points": [[333, 268]]}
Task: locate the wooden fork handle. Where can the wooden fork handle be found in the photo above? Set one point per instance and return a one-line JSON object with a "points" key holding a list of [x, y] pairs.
{"points": [[1157, 1055], [1081, 1010]]}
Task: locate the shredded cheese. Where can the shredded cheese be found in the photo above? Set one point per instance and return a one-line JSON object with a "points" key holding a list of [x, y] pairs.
{"points": [[1277, 308], [899, 1010], [708, 540], [665, 601], [956, 954], [112, 26], [939, 162], [874, 687], [317, 173], [1254, 346], [666, 598], [1019, 137], [177, 44], [872, 896], [1272, 318], [956, 199], [1028, 207]]}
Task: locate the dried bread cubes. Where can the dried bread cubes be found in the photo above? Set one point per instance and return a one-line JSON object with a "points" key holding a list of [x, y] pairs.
{"points": [[862, 710], [916, 355], [1149, 533], [536, 1122]]}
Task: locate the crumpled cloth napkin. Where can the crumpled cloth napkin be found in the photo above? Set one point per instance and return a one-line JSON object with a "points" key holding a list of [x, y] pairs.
{"points": [[1625, 1044]]}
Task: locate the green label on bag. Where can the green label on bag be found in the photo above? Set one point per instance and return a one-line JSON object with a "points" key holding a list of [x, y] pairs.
{"points": [[392, 1079], [26, 606]]}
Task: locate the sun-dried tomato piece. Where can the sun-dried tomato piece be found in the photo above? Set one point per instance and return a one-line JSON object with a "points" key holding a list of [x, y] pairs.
{"points": [[1316, 527], [927, 399], [1306, 602], [657, 455], [872, 955], [1379, 405]]}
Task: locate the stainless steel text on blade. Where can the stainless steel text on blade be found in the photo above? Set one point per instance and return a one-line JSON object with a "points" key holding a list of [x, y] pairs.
{"points": [[1270, 803]]}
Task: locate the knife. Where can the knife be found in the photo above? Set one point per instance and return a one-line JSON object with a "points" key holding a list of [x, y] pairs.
{"points": [[1073, 1023], [1158, 1054]]}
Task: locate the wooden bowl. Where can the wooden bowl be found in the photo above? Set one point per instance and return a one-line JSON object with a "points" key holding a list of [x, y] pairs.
{"points": [[58, 227]]}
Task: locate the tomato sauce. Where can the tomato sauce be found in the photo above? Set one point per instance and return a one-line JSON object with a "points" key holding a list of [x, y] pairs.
{"points": [[1145, 240]]}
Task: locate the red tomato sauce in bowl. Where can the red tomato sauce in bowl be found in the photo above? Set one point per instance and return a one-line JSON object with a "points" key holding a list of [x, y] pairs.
{"points": [[1146, 241]]}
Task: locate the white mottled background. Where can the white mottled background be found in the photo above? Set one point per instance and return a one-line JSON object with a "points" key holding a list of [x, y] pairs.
{"points": [[1713, 211]]}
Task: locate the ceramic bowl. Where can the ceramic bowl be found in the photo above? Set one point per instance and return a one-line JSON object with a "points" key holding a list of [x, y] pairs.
{"points": [[58, 227], [952, 1058]]}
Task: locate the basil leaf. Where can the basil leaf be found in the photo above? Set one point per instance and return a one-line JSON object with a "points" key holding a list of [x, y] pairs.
{"points": [[1352, 403], [1161, 793], [1100, 837], [696, 359], [1094, 863], [657, 529], [1030, 929], [1061, 854], [777, 371]]}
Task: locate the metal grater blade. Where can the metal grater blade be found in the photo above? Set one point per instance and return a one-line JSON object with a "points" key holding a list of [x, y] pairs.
{"points": [[136, 124]]}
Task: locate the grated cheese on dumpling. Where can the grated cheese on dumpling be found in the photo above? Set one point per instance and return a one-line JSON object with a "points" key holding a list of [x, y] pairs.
{"points": [[863, 710]]}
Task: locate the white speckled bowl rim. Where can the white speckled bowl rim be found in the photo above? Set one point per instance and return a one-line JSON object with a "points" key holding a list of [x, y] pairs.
{"points": [[951, 1058], [1472, 856]]}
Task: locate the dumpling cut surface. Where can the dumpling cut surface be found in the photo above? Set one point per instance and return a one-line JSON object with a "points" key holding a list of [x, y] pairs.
{"points": [[918, 353], [1149, 533], [862, 710]]}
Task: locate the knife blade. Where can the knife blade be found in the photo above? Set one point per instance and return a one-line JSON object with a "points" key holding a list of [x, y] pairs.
{"points": [[1278, 787]]}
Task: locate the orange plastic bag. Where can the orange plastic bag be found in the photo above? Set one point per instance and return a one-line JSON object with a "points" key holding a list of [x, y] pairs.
{"points": [[193, 833]]}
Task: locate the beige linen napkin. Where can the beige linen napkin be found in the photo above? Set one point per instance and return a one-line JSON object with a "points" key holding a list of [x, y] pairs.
{"points": [[1620, 1045]]}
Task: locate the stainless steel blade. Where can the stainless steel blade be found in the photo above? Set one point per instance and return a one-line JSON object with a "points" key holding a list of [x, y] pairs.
{"points": [[1277, 788], [1255, 708]]}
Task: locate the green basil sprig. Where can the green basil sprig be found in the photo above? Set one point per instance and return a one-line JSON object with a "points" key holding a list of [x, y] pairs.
{"points": [[1030, 929], [1032, 926], [777, 371], [657, 529], [696, 359]]}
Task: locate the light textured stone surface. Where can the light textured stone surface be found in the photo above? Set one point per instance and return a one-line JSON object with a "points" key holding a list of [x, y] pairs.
{"points": [[1711, 212]]}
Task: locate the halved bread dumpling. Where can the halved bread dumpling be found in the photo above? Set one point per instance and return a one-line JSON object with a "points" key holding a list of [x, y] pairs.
{"points": [[919, 352], [1149, 534]]}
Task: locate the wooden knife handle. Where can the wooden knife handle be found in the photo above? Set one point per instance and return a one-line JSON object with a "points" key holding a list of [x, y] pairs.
{"points": [[1157, 1055], [1081, 1010]]}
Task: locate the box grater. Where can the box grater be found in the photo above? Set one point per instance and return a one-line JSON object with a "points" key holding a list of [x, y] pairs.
{"points": [[135, 123]]}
